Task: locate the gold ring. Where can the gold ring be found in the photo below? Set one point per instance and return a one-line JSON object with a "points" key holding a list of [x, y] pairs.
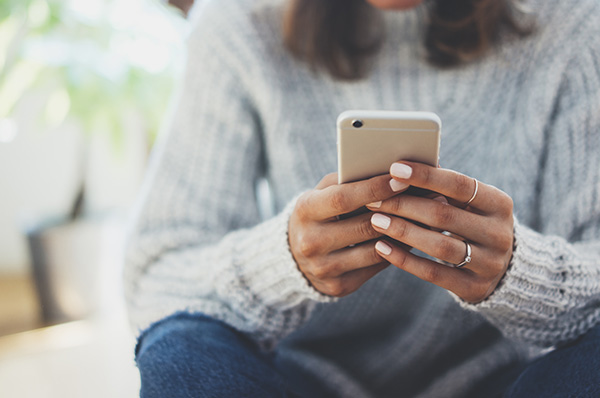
{"points": [[474, 193]]}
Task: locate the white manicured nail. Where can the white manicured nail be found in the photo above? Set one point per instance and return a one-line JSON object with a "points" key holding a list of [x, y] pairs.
{"points": [[441, 199], [375, 205], [383, 248], [381, 221], [400, 170], [397, 185]]}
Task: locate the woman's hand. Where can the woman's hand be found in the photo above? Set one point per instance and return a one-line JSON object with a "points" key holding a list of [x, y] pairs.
{"points": [[485, 224], [338, 256]]}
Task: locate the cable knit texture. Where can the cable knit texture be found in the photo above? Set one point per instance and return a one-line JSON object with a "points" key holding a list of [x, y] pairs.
{"points": [[525, 118]]}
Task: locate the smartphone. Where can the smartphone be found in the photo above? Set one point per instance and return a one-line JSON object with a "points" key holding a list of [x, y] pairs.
{"points": [[369, 142]]}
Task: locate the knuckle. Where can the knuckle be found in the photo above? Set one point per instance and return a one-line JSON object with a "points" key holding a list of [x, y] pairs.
{"points": [[505, 240], [425, 175], [365, 229], [327, 181], [305, 249], [401, 230], [394, 204], [335, 287], [373, 193], [309, 246], [333, 268], [400, 260], [495, 237], [503, 204], [319, 272], [338, 201], [464, 184], [501, 237], [443, 215], [507, 206], [496, 266], [302, 206], [446, 249], [431, 274], [330, 178]]}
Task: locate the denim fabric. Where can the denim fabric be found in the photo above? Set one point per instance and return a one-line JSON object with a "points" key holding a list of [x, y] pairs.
{"points": [[572, 371], [196, 356], [187, 356]]}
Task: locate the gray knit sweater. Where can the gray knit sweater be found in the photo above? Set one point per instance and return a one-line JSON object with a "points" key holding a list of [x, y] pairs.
{"points": [[526, 118]]}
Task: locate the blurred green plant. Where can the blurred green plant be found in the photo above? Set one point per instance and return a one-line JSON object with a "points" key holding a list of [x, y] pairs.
{"points": [[97, 62]]}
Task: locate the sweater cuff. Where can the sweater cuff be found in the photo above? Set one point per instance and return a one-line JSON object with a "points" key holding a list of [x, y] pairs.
{"points": [[531, 292], [266, 270]]}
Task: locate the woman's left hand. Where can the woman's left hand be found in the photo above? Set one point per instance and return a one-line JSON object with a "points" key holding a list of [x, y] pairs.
{"points": [[485, 224]]}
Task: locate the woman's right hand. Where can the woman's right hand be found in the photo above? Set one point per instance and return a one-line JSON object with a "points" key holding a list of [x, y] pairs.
{"points": [[338, 256]]}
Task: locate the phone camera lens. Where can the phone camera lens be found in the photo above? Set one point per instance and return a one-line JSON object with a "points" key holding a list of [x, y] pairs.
{"points": [[357, 123]]}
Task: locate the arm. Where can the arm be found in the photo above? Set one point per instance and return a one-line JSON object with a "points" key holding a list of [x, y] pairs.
{"points": [[551, 293], [198, 244], [546, 291]]}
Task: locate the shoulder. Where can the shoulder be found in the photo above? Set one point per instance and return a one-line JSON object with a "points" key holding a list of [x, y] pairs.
{"points": [[566, 21], [239, 34], [236, 46], [563, 31], [231, 20]]}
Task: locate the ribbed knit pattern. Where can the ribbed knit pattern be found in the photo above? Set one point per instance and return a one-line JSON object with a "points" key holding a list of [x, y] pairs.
{"points": [[525, 118]]}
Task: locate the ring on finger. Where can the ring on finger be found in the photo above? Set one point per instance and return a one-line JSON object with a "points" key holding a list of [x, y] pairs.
{"points": [[468, 257], [474, 193]]}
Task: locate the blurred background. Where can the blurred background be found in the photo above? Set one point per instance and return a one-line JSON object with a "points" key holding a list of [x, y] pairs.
{"points": [[85, 87]]}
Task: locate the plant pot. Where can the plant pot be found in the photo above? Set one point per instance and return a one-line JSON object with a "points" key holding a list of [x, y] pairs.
{"points": [[76, 268]]}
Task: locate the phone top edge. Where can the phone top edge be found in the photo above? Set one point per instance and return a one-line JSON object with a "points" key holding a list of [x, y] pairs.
{"points": [[391, 115]]}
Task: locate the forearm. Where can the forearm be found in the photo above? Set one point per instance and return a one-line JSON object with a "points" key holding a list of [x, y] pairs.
{"points": [[247, 279], [551, 292]]}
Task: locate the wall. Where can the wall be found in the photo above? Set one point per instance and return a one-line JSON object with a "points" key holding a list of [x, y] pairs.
{"points": [[39, 175]]}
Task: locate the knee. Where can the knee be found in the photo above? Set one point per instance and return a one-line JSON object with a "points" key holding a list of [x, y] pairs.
{"points": [[194, 355], [568, 371], [183, 333], [185, 343], [172, 353]]}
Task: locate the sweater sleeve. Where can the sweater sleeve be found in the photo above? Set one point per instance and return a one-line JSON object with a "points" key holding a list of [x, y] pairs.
{"points": [[551, 292], [198, 243]]}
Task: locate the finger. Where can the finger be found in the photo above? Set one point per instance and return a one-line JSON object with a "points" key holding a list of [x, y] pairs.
{"points": [[340, 199], [357, 278], [438, 214], [351, 259], [351, 281], [435, 244], [327, 181], [463, 282], [325, 238], [351, 231], [454, 185], [446, 277]]}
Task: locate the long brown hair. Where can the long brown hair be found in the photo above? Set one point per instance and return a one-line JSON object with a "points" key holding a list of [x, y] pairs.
{"points": [[341, 36]]}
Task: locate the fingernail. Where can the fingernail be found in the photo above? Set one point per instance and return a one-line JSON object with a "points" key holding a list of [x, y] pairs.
{"points": [[397, 185], [441, 199], [381, 221], [375, 205], [400, 170], [383, 248]]}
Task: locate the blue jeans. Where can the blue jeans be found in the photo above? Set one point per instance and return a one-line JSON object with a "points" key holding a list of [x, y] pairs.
{"points": [[196, 356]]}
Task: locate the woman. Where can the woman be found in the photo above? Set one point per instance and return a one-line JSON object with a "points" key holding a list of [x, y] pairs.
{"points": [[304, 304]]}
